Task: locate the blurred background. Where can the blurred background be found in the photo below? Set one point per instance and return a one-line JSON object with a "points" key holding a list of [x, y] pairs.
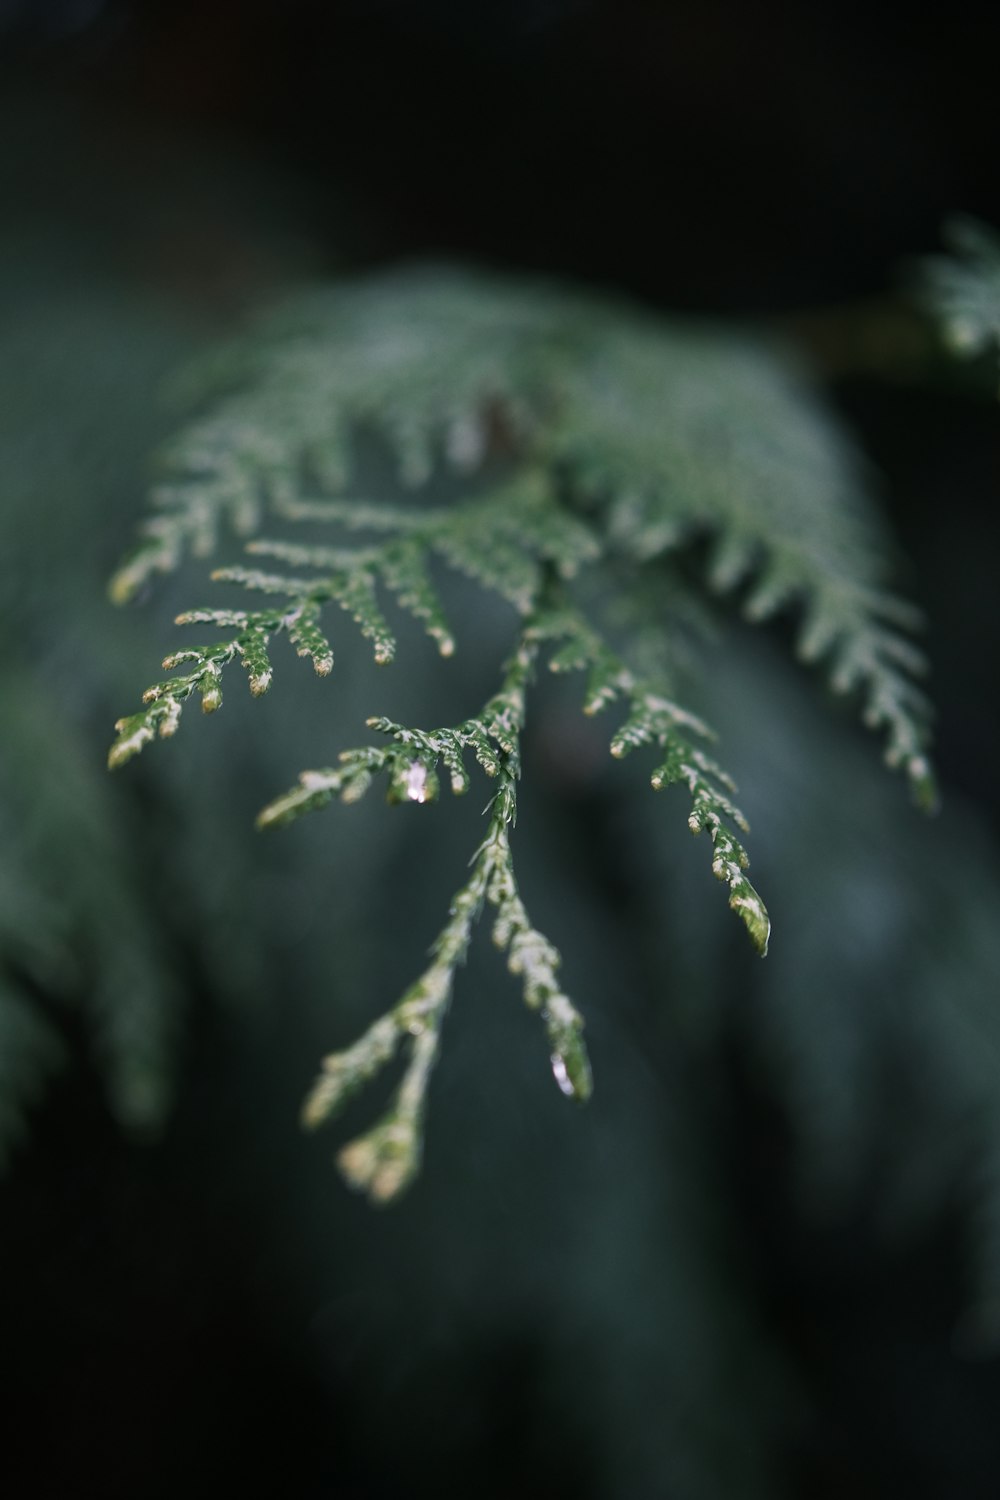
{"points": [[765, 1261]]}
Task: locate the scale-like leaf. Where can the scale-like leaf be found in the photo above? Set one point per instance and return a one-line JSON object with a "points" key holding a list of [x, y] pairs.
{"points": [[591, 443]]}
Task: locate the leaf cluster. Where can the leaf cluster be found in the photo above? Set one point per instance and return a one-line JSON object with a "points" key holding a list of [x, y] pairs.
{"points": [[962, 290], [593, 448]]}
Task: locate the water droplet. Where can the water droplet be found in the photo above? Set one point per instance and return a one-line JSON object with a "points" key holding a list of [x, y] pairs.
{"points": [[561, 1073], [415, 782]]}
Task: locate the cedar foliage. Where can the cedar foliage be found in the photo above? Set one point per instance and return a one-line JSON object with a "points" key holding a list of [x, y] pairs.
{"points": [[886, 969], [614, 472]]}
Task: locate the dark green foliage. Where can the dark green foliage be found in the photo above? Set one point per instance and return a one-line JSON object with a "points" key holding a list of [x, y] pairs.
{"points": [[589, 439], [84, 958], [962, 290], [637, 1299]]}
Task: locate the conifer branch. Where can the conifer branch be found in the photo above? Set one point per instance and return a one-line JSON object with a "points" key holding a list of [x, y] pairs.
{"points": [[962, 290], [654, 719], [600, 441], [384, 1160]]}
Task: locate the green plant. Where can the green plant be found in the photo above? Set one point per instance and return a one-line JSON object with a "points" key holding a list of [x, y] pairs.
{"points": [[961, 291], [614, 471]]}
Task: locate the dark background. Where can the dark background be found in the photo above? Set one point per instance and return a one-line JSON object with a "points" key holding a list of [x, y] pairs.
{"points": [[184, 1314]]}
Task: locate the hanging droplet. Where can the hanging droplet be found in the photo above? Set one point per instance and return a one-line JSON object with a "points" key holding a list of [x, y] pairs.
{"points": [[415, 782], [561, 1073]]}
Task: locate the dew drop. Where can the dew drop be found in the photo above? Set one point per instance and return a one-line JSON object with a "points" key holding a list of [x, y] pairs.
{"points": [[415, 782], [561, 1074]]}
